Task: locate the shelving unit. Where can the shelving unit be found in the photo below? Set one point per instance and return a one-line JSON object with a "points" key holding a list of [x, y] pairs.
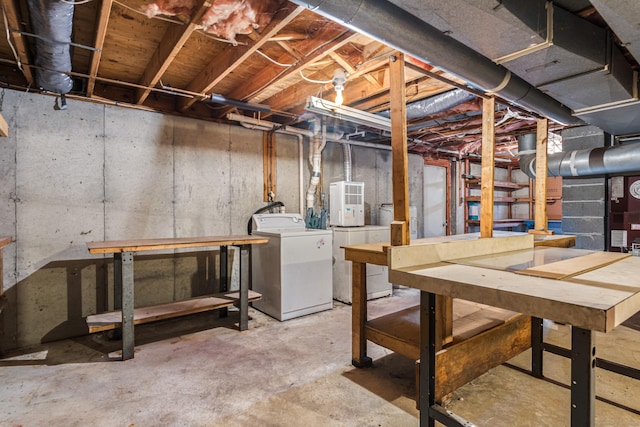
{"points": [[509, 200]]}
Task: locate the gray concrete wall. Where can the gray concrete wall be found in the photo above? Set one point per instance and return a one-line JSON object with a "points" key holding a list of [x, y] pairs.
{"points": [[583, 199], [95, 172]]}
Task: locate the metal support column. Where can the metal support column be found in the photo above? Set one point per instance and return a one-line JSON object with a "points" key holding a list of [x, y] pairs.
{"points": [[123, 279], [427, 357], [583, 364], [244, 287], [224, 276], [537, 347]]}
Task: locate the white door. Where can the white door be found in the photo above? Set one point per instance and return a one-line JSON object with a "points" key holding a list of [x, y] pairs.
{"points": [[435, 201]]}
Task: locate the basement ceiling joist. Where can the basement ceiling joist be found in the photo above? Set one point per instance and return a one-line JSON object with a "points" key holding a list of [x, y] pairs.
{"points": [[170, 64]]}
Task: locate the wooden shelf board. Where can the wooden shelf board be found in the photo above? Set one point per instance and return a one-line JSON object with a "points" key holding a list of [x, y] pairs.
{"points": [[500, 223], [499, 184], [113, 319]]}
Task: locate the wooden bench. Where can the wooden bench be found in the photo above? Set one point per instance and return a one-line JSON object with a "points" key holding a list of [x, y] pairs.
{"points": [[126, 316]]}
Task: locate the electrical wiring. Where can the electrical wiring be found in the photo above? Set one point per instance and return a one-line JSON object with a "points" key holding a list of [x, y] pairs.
{"points": [[274, 61], [76, 2], [322, 82], [13, 49]]}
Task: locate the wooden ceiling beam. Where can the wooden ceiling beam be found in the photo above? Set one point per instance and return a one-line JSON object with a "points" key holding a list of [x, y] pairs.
{"points": [[104, 14], [295, 95], [22, 52], [173, 40], [350, 70], [233, 57], [328, 39]]}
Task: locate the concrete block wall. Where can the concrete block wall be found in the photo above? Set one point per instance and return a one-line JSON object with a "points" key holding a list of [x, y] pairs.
{"points": [[95, 172], [583, 199]]}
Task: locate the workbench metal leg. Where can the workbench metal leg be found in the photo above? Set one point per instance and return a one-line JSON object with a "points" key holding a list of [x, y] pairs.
{"points": [[244, 286], [359, 357], [224, 276], [537, 348], [427, 357], [117, 291], [126, 284], [583, 364]]}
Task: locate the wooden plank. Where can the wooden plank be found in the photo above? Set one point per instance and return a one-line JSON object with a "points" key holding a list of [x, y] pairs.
{"points": [[269, 166], [556, 240], [498, 184], [101, 31], [540, 207], [462, 362], [113, 319], [11, 12], [327, 40], [400, 159], [574, 266], [4, 126], [588, 307], [113, 246], [410, 256], [232, 58], [169, 47], [4, 241], [488, 166]]}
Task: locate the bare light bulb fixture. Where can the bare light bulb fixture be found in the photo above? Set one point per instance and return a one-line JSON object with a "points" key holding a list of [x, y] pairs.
{"points": [[339, 79]]}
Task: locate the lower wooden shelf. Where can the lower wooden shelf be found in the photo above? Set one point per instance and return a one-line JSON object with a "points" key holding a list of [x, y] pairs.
{"points": [[483, 338], [113, 319]]}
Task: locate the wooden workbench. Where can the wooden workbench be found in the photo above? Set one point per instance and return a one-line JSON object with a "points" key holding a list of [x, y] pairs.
{"points": [[123, 253], [466, 332], [592, 291]]}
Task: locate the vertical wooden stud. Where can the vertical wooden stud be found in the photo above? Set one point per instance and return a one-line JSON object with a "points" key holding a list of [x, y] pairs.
{"points": [[399, 232], [488, 166], [269, 164], [540, 217]]}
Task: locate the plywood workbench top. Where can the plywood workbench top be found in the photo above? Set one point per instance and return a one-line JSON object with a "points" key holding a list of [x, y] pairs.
{"points": [[114, 246]]}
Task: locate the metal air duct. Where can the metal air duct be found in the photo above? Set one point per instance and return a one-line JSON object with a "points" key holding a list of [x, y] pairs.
{"points": [[595, 161], [434, 104], [52, 21], [382, 20]]}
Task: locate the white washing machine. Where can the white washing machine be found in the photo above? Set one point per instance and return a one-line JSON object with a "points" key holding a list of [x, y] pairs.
{"points": [[292, 271], [377, 275]]}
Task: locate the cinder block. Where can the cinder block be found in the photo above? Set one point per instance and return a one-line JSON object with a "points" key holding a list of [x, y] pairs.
{"points": [[583, 193], [583, 225], [576, 209], [590, 242]]}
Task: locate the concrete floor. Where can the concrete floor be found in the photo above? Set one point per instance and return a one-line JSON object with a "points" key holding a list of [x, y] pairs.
{"points": [[291, 373]]}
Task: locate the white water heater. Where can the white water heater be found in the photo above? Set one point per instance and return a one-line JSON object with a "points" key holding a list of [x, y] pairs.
{"points": [[346, 203]]}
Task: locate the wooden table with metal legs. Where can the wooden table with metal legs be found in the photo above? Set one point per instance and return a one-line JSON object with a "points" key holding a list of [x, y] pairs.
{"points": [[590, 291]]}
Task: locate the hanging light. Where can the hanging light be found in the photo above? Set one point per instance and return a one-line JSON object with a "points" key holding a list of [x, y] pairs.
{"points": [[339, 79]]}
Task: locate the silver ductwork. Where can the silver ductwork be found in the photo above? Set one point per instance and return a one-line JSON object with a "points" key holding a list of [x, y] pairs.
{"points": [[434, 104], [52, 22], [382, 20], [346, 153], [595, 161]]}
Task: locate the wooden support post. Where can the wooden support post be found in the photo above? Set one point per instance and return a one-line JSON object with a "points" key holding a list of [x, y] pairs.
{"points": [[397, 93], [269, 165], [540, 217], [488, 166]]}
